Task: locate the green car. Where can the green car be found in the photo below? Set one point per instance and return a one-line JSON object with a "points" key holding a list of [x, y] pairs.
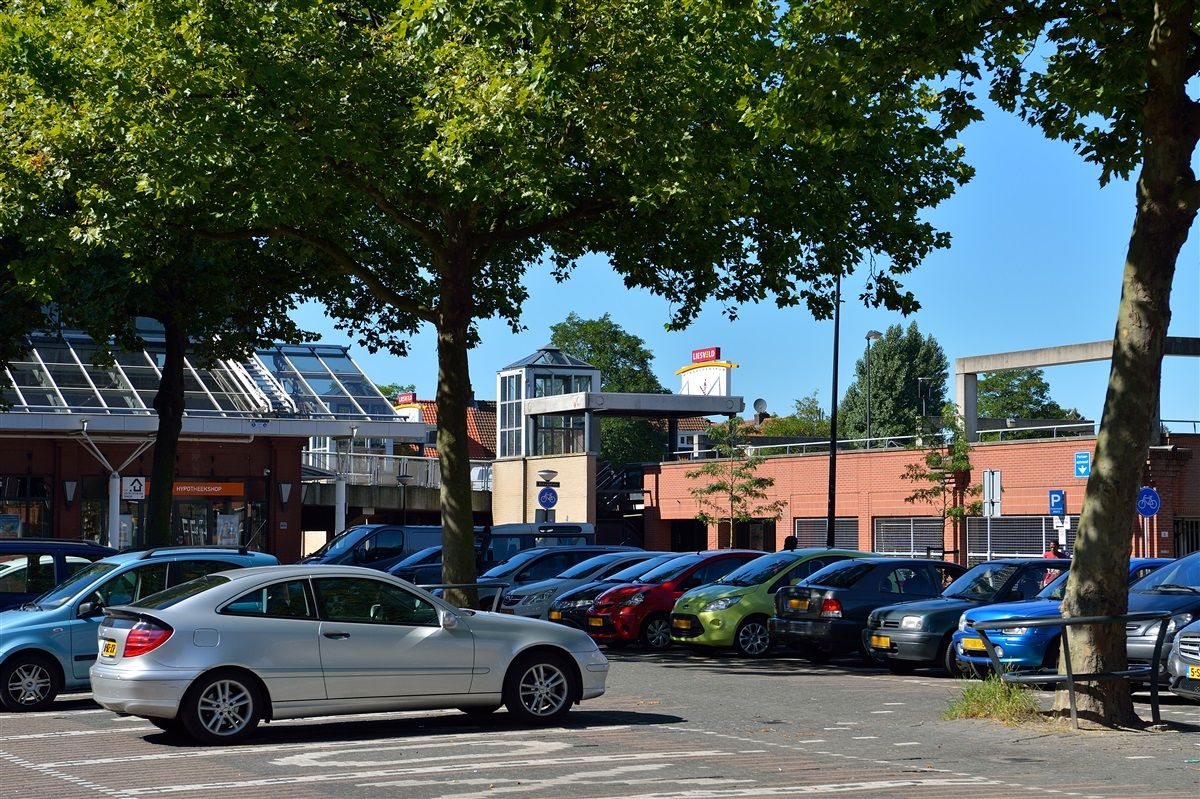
{"points": [[733, 612]]}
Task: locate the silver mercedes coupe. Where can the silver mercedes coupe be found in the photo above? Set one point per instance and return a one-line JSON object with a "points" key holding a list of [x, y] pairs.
{"points": [[215, 656]]}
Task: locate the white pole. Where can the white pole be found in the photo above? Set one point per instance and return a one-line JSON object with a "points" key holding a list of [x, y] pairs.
{"points": [[114, 509], [339, 504]]}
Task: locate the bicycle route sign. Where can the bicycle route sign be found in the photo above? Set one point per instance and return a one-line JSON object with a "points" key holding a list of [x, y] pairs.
{"points": [[1148, 501], [547, 498]]}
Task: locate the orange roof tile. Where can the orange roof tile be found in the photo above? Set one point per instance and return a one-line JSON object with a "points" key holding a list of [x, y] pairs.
{"points": [[481, 428]]}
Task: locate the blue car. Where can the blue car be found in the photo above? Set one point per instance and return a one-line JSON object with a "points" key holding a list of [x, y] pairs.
{"points": [[48, 644], [1024, 648]]}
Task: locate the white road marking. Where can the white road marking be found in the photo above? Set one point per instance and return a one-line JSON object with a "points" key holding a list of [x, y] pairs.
{"points": [[881, 712], [33, 736], [885, 704], [867, 788], [1139, 757], [864, 737], [546, 787], [394, 753], [908, 743]]}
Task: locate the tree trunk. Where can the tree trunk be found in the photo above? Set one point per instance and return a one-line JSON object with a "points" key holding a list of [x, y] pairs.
{"points": [[453, 394], [168, 404], [1099, 573]]}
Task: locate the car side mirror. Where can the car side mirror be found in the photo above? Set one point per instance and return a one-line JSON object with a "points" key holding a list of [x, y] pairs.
{"points": [[89, 609], [447, 620], [522, 577]]}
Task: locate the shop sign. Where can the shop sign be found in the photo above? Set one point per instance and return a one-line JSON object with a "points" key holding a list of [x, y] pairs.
{"points": [[406, 398], [192, 488], [133, 488], [706, 354]]}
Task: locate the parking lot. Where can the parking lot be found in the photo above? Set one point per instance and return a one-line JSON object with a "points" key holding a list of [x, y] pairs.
{"points": [[673, 725]]}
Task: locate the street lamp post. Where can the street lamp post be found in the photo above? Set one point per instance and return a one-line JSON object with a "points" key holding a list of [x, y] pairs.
{"points": [[872, 335], [403, 480], [830, 515]]}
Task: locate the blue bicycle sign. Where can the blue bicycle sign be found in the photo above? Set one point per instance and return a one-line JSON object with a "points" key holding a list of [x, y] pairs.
{"points": [[1148, 501]]}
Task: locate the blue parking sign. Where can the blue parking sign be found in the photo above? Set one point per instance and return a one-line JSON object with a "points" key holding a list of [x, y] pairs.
{"points": [[1058, 503], [1083, 464]]}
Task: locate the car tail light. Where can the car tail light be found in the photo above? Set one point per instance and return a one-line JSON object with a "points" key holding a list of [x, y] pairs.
{"points": [[831, 608], [145, 637]]}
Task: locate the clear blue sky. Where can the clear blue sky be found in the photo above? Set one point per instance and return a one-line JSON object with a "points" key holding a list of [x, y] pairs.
{"points": [[1036, 261]]}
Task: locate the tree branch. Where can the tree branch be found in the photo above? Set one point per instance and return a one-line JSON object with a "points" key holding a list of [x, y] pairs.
{"points": [[587, 210], [410, 223], [1189, 195], [346, 263]]}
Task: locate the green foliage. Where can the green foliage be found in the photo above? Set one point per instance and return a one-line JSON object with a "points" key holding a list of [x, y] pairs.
{"points": [[732, 491], [625, 365], [1019, 394], [898, 359], [942, 475], [390, 390], [1007, 703], [808, 421]]}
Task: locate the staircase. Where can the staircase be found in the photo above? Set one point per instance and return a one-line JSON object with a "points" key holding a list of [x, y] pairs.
{"points": [[280, 402], [619, 515]]}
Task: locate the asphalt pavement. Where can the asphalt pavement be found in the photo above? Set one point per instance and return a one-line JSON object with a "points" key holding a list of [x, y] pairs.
{"points": [[672, 726]]}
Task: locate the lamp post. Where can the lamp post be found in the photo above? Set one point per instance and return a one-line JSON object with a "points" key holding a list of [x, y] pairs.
{"points": [[403, 480], [872, 335], [833, 398]]}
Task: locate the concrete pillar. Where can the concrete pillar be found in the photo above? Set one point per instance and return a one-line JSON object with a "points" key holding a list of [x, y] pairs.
{"points": [[114, 509], [339, 504], [966, 397]]}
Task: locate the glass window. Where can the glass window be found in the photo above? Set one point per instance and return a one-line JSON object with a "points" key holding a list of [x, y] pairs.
{"points": [[186, 570], [356, 599], [840, 575], [69, 588], [172, 596], [982, 582], [287, 600], [761, 569], [133, 584], [384, 544], [29, 573], [1181, 576]]}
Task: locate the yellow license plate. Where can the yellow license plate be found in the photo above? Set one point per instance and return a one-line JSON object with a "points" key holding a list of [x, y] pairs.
{"points": [[683, 624], [881, 641], [1194, 672], [973, 644], [555, 614], [509, 611], [798, 604], [594, 622], [110, 649]]}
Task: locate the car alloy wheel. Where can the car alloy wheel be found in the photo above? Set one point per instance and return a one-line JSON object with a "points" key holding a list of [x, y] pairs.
{"points": [[29, 683], [752, 639], [538, 689], [222, 708], [656, 632]]}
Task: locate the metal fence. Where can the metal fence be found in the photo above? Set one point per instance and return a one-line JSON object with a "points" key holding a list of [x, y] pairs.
{"points": [[1013, 536], [382, 470], [1187, 536], [811, 532], [908, 536]]}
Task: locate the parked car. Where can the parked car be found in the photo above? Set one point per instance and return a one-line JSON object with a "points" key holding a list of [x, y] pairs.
{"points": [[535, 565], [919, 633], [424, 567], [32, 566], [533, 599], [825, 614], [1184, 662], [735, 611], [571, 607], [216, 656], [641, 610], [423, 563], [1025, 648], [47, 645], [1174, 588]]}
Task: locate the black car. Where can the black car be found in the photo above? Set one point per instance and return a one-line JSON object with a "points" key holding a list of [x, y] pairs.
{"points": [[30, 567], [1175, 588], [825, 614], [534, 565], [571, 607], [914, 634]]}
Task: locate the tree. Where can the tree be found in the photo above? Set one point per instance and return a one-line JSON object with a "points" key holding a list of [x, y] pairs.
{"points": [[908, 378], [732, 491], [943, 476], [390, 390], [415, 159], [625, 366], [1019, 394], [1118, 82], [808, 421]]}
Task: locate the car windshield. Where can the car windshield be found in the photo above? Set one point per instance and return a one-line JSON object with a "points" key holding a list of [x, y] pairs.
{"points": [[584, 568], [340, 543], [1056, 589], [842, 574], [513, 564], [982, 582], [670, 570], [1182, 576], [64, 592], [178, 593], [631, 573], [421, 557], [760, 570]]}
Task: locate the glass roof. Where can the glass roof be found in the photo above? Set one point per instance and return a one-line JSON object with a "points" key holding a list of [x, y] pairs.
{"points": [[308, 381], [550, 355]]}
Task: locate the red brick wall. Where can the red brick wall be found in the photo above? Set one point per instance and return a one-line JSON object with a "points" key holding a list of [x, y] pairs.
{"points": [[870, 485]]}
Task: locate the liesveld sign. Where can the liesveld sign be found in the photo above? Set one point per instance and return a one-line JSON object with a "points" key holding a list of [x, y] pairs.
{"points": [[706, 354]]}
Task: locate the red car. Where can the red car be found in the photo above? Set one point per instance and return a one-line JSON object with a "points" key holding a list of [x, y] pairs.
{"points": [[641, 611]]}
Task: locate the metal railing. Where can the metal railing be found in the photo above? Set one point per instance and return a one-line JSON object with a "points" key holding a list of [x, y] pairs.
{"points": [[1149, 672], [802, 448], [363, 468], [1073, 429], [1181, 425]]}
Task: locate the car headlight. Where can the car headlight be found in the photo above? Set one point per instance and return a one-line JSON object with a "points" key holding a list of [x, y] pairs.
{"points": [[872, 619], [636, 599], [1177, 621], [910, 623], [721, 604], [962, 622]]}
